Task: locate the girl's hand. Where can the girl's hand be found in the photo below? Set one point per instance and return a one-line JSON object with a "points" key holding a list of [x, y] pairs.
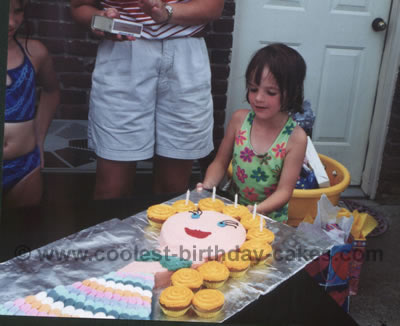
{"points": [[112, 13], [199, 187]]}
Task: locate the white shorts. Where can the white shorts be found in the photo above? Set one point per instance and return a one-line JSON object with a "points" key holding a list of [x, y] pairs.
{"points": [[151, 97]]}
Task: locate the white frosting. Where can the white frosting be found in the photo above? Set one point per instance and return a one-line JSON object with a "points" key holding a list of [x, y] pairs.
{"points": [[41, 295]]}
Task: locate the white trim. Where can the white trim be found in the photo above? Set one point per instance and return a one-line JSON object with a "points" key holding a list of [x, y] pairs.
{"points": [[383, 106]]}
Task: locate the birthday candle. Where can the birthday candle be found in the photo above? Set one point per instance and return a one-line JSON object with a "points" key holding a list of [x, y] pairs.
{"points": [[213, 193], [187, 197], [254, 210], [236, 200], [261, 224]]}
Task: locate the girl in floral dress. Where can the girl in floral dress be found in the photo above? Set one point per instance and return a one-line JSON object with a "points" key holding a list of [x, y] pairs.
{"points": [[265, 145]]}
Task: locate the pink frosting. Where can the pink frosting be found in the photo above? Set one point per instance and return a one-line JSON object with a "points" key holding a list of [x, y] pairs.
{"points": [[32, 312], [19, 302], [25, 307], [77, 285], [199, 239]]}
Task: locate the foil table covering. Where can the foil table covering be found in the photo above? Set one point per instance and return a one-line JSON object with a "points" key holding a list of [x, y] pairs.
{"points": [[111, 245], [293, 250]]}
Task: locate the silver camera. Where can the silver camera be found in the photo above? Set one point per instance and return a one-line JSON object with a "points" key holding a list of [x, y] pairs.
{"points": [[117, 26]]}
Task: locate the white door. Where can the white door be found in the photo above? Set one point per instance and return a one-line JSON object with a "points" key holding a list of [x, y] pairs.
{"points": [[343, 55]]}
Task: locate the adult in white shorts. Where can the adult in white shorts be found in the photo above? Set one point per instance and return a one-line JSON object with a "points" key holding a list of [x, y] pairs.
{"points": [[151, 97]]}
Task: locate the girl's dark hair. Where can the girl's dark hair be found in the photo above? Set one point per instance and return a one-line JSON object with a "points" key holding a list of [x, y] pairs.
{"points": [[289, 70], [24, 29]]}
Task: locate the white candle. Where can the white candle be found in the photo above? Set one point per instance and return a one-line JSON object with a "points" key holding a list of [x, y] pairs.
{"points": [[213, 194], [254, 210], [261, 223], [236, 199], [187, 197]]}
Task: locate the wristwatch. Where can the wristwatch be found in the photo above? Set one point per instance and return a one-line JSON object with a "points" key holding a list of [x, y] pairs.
{"points": [[170, 11]]}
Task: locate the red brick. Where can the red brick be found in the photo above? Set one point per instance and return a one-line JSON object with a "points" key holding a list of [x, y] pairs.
{"points": [[219, 41], [48, 11], [220, 71], [73, 112], [223, 26], [73, 97], [220, 56], [55, 46], [81, 48], [69, 64], [219, 102], [219, 118], [219, 87], [82, 81], [56, 29]]}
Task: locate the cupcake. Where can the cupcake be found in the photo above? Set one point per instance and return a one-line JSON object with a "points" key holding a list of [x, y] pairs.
{"points": [[266, 234], [256, 250], [249, 222], [181, 206], [188, 277], [208, 204], [236, 263], [158, 214], [236, 212], [214, 274], [175, 300], [207, 303]]}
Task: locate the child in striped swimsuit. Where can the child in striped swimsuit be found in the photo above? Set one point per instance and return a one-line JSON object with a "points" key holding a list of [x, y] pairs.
{"points": [[265, 145]]}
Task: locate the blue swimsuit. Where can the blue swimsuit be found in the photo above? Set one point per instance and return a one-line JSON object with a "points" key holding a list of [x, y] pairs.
{"points": [[20, 107]]}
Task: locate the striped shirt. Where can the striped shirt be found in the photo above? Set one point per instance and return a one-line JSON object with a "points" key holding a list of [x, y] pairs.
{"points": [[129, 10]]}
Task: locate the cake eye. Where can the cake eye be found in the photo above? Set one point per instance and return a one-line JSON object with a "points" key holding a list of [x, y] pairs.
{"points": [[224, 223], [195, 215]]}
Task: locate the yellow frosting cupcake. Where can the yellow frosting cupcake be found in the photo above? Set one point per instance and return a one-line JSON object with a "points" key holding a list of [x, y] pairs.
{"points": [[256, 250], [207, 303], [158, 214], [236, 263], [249, 222], [175, 300], [188, 277], [207, 204], [265, 234], [214, 274], [180, 206], [236, 212]]}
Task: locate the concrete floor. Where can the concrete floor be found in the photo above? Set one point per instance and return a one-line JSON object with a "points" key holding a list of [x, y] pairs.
{"points": [[378, 300]]}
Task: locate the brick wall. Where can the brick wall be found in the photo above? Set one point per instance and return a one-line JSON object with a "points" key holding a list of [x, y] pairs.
{"points": [[74, 49], [389, 180]]}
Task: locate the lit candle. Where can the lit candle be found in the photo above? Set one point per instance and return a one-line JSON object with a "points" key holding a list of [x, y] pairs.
{"points": [[254, 210], [187, 197], [236, 199], [213, 193]]}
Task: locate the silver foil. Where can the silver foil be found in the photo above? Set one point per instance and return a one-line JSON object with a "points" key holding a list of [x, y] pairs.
{"points": [[293, 250], [109, 246]]}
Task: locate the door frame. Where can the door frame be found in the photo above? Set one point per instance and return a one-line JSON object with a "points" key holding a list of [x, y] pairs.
{"points": [[383, 104]]}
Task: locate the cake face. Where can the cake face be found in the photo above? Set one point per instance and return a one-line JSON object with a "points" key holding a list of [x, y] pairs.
{"points": [[199, 236]]}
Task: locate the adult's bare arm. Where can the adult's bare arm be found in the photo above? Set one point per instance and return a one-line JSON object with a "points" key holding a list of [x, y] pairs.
{"points": [[83, 11]]}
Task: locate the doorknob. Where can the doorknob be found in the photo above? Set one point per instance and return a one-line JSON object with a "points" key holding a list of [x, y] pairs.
{"points": [[379, 25]]}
